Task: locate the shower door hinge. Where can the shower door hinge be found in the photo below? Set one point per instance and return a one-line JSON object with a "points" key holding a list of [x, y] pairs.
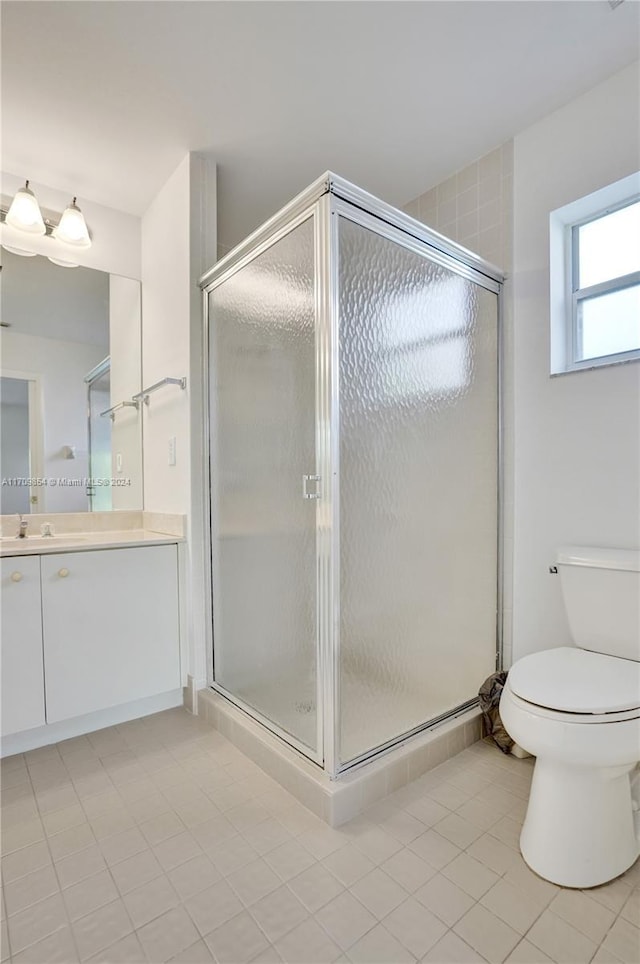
{"points": [[306, 481]]}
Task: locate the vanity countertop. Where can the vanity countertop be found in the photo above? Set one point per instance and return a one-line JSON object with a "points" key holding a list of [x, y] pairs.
{"points": [[82, 541]]}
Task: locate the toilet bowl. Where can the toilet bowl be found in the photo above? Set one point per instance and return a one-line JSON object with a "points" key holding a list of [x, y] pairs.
{"points": [[577, 710]]}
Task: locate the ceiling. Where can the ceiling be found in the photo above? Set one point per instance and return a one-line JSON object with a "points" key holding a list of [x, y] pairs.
{"points": [[105, 98]]}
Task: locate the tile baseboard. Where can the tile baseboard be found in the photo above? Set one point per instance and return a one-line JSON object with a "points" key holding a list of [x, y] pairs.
{"points": [[340, 800]]}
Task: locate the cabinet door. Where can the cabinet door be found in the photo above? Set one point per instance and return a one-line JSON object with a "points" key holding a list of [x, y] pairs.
{"points": [[21, 670], [110, 625]]}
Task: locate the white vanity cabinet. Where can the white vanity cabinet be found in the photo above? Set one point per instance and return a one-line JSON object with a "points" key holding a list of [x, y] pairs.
{"points": [[21, 668], [110, 628]]}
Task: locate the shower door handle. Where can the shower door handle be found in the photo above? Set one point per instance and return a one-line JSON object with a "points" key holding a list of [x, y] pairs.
{"points": [[307, 480]]}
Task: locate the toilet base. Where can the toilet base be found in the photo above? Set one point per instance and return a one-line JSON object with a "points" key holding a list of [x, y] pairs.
{"points": [[579, 827]]}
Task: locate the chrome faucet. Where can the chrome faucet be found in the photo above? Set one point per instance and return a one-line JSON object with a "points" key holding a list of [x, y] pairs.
{"points": [[22, 528]]}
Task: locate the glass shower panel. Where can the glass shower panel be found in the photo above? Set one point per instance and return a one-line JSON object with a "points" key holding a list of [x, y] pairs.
{"points": [[262, 404], [418, 477], [99, 391]]}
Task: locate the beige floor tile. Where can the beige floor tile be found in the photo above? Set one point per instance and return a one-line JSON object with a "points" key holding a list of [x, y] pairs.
{"points": [[127, 950], [408, 870], [624, 941], [194, 876], [150, 901], [290, 859], [85, 863], [5, 950], [604, 956], [237, 941], [427, 810], [308, 943], [57, 948], [470, 875], [162, 827], [266, 836], [379, 893], [493, 854], [25, 891], [177, 850], [315, 887], [213, 907], [113, 822], [435, 849], [57, 799], [377, 844], [71, 841], [232, 855], [25, 861], [560, 941], [402, 825], [415, 927], [478, 813], [445, 899], [36, 922], [267, 956], [491, 937], [459, 831], [449, 796], [59, 820], [198, 953], [631, 909], [451, 949], [585, 914], [278, 913], [135, 871], [122, 845], [345, 920], [379, 947], [166, 936], [101, 928], [348, 864], [527, 953], [322, 842], [613, 895], [520, 876], [513, 906], [254, 881], [246, 815], [102, 803], [89, 895], [22, 835]]}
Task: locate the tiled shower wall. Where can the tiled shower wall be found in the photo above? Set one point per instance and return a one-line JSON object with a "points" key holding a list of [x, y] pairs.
{"points": [[475, 208]]}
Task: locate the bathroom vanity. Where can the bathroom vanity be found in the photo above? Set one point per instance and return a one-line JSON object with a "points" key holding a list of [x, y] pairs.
{"points": [[90, 632]]}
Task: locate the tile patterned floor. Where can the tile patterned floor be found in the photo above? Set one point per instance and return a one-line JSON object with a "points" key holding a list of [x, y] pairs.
{"points": [[157, 840]]}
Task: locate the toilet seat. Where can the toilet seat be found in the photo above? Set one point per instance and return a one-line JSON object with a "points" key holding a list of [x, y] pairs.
{"points": [[593, 719], [578, 685]]}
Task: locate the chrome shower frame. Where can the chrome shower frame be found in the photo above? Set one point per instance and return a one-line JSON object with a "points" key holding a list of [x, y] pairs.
{"points": [[327, 199]]}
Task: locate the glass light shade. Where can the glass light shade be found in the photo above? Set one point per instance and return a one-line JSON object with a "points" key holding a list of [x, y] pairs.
{"points": [[24, 213], [72, 228], [19, 251], [63, 264]]}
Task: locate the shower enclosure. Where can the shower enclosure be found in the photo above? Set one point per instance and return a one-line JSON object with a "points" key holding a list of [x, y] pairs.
{"points": [[353, 460]]}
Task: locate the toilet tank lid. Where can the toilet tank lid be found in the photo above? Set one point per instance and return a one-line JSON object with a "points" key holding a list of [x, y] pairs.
{"points": [[598, 558]]}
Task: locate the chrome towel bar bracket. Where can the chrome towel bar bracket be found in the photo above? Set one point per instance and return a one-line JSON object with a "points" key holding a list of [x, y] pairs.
{"points": [[111, 412], [144, 394]]}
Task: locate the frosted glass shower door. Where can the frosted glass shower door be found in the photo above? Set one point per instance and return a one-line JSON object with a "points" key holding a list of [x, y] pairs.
{"points": [[418, 486], [263, 418]]}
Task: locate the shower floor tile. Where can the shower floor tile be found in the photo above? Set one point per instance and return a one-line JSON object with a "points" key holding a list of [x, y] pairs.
{"points": [[257, 877]]}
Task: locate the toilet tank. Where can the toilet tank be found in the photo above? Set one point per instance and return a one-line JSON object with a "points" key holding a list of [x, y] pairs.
{"points": [[601, 590]]}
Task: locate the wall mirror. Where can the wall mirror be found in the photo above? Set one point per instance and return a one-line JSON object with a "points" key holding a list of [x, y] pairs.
{"points": [[70, 362]]}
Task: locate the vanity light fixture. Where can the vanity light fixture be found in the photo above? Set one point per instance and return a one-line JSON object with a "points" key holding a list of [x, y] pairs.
{"points": [[24, 212], [72, 228], [24, 215]]}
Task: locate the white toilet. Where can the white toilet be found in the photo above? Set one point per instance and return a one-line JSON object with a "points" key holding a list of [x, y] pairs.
{"points": [[577, 710]]}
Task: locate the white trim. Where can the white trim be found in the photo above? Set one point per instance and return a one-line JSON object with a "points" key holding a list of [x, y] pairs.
{"points": [[78, 725], [564, 301]]}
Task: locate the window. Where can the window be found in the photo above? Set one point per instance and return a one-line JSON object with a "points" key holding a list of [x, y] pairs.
{"points": [[595, 279]]}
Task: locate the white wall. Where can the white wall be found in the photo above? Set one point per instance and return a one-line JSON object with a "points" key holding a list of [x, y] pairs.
{"points": [[115, 234], [577, 436], [178, 245], [60, 367]]}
